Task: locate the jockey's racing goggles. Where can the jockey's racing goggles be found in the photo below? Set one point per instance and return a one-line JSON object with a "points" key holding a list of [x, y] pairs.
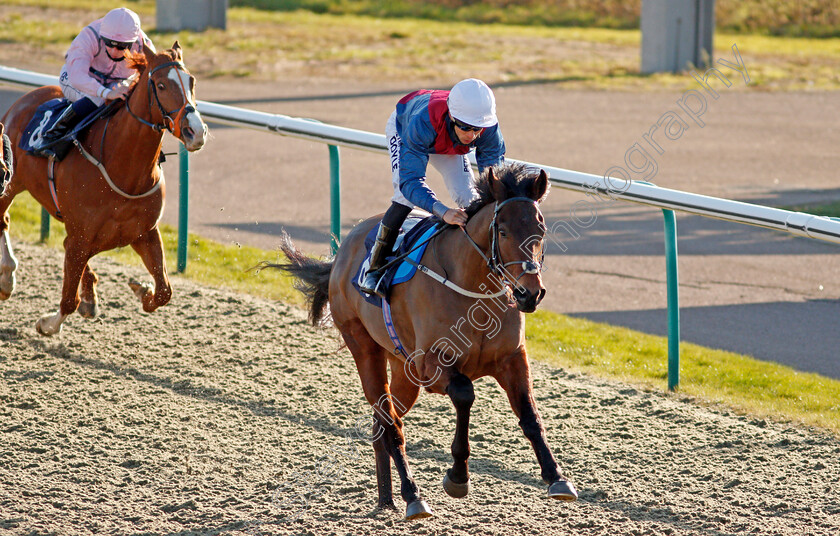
{"points": [[465, 127], [116, 44]]}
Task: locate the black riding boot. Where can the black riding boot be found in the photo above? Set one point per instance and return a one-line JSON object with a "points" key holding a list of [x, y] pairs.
{"points": [[68, 119], [389, 229]]}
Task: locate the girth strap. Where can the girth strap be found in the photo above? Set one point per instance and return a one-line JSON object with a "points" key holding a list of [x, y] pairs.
{"points": [[51, 182], [392, 331]]}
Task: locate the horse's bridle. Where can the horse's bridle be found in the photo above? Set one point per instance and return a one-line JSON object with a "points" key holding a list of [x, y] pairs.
{"points": [[170, 124], [494, 260]]}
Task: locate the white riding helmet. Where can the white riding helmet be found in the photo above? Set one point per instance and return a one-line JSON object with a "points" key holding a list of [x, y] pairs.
{"points": [[473, 103], [121, 25]]}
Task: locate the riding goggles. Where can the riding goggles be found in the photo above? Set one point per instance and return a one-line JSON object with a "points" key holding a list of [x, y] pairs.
{"points": [[116, 44], [465, 127]]}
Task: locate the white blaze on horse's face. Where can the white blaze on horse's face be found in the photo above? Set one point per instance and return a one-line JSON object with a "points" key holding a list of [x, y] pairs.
{"points": [[194, 136]]}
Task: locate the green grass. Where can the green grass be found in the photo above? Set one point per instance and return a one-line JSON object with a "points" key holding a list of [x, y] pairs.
{"points": [[208, 262], [831, 210], [758, 388], [341, 39]]}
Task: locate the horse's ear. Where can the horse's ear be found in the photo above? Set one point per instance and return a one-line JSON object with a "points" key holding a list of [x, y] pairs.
{"points": [[176, 48], [540, 187], [497, 189]]}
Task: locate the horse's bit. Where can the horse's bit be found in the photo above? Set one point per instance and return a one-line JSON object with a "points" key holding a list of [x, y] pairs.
{"points": [[170, 124]]}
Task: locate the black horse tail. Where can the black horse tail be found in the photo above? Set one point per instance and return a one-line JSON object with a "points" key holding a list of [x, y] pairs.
{"points": [[312, 277]]}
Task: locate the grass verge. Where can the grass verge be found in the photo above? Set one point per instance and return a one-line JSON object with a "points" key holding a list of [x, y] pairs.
{"points": [[271, 45], [762, 389]]}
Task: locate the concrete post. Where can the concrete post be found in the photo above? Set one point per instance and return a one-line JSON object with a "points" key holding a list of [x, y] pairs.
{"points": [[196, 15], [676, 33]]}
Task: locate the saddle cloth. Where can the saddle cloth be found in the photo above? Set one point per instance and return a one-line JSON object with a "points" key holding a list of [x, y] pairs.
{"points": [[45, 117], [416, 230], [41, 123]]}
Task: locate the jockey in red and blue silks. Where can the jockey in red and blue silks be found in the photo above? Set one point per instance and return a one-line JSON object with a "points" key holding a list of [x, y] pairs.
{"points": [[438, 128], [424, 128]]}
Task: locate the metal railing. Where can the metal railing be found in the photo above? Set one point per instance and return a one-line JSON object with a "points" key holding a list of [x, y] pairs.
{"points": [[668, 200]]}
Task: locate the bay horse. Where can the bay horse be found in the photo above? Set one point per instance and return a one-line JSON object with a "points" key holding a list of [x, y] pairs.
{"points": [[449, 338], [113, 195]]}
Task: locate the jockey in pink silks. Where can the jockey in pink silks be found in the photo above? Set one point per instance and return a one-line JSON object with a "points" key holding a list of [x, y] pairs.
{"points": [[95, 70]]}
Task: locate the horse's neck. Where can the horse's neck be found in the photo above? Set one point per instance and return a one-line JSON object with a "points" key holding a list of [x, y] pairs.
{"points": [[462, 263], [130, 141]]}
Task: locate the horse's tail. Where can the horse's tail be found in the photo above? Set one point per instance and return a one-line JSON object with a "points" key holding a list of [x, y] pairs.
{"points": [[312, 277]]}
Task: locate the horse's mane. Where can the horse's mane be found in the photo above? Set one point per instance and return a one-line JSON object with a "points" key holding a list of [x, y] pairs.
{"points": [[137, 61], [517, 178]]}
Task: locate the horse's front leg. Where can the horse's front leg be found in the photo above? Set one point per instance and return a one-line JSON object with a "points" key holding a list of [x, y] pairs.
{"points": [[8, 265], [150, 248], [88, 307], [456, 483], [75, 260], [515, 379]]}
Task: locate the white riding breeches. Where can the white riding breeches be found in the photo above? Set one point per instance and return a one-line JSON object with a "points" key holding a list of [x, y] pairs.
{"points": [[454, 168]]}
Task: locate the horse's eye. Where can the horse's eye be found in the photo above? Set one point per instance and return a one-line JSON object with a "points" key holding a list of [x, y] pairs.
{"points": [[502, 233], [161, 86]]}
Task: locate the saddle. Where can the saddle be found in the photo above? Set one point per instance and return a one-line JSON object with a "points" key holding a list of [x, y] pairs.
{"points": [[412, 241]]}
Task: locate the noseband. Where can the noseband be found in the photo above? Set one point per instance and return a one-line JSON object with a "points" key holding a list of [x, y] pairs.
{"points": [[494, 261], [170, 124]]}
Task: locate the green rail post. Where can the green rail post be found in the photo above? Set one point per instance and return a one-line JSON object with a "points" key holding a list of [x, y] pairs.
{"points": [[183, 206], [335, 199], [45, 224], [672, 279]]}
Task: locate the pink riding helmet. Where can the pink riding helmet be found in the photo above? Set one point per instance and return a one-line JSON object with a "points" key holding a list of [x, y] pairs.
{"points": [[121, 25]]}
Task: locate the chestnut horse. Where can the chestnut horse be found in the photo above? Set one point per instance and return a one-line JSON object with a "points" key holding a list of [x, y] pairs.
{"points": [[449, 337], [117, 202]]}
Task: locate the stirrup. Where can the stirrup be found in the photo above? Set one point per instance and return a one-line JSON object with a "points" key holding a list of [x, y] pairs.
{"points": [[370, 283]]}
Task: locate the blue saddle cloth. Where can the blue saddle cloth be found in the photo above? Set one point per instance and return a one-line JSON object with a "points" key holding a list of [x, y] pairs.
{"points": [[416, 231], [41, 123], [45, 117]]}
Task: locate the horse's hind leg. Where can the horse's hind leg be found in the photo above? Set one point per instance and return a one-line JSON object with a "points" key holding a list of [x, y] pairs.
{"points": [[150, 248], [387, 429], [88, 306], [8, 262], [515, 379]]}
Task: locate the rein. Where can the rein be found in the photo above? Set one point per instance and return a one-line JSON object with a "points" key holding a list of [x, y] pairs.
{"points": [[436, 276], [168, 123], [494, 261]]}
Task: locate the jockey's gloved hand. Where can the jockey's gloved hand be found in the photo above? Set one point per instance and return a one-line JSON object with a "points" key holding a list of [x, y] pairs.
{"points": [[119, 91], [455, 216]]}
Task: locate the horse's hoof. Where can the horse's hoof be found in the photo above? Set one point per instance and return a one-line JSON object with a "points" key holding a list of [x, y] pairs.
{"points": [[140, 289], [418, 510], [453, 489], [88, 309], [386, 505], [7, 286], [40, 327], [563, 490]]}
